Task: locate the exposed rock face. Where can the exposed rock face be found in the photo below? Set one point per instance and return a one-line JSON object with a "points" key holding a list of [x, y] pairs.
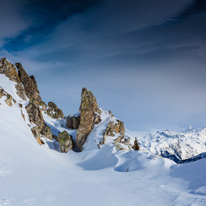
{"points": [[65, 141], [2, 93], [38, 139], [88, 109], [53, 111], [55, 137], [73, 122], [30, 85], [35, 83], [20, 90], [43, 105], [35, 116], [9, 70], [9, 100], [136, 145], [115, 128], [47, 132]]}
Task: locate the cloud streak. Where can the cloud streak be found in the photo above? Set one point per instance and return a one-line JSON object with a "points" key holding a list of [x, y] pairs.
{"points": [[150, 74]]}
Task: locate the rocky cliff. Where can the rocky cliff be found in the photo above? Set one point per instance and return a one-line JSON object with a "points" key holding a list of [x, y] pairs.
{"points": [[90, 114], [83, 123], [26, 87]]}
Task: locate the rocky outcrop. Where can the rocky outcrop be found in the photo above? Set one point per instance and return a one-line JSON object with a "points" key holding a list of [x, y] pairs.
{"points": [[10, 71], [73, 122], [55, 137], [9, 100], [35, 83], [2, 93], [35, 116], [30, 85], [47, 132], [53, 111], [89, 110], [38, 139], [42, 105], [113, 128], [65, 141], [20, 90]]}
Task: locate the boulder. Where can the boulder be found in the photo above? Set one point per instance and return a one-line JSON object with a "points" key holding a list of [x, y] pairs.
{"points": [[30, 86], [69, 122], [47, 132], [65, 141], [55, 137], [89, 110], [52, 105], [35, 116], [76, 122], [42, 105], [53, 111], [73, 122]]}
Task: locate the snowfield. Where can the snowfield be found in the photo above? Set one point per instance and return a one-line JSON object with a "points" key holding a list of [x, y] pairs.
{"points": [[41, 175]]}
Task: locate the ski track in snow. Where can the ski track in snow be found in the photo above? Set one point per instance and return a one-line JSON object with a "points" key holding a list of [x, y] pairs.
{"points": [[41, 175]]}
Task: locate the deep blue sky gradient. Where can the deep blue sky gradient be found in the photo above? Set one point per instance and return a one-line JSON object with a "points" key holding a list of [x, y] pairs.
{"points": [[144, 60]]}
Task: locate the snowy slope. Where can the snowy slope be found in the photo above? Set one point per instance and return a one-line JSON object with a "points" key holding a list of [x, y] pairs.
{"points": [[176, 146], [41, 175]]}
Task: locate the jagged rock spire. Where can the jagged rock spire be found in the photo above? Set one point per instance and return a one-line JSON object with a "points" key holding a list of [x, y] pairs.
{"points": [[9, 70], [88, 109], [29, 83]]}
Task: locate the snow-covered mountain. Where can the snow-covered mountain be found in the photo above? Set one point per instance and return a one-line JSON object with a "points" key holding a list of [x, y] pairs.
{"points": [[176, 146], [35, 171]]}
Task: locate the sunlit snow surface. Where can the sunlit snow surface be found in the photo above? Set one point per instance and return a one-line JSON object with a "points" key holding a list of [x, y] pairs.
{"points": [[41, 175]]}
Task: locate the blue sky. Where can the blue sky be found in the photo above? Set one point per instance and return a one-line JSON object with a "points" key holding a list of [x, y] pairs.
{"points": [[143, 60]]}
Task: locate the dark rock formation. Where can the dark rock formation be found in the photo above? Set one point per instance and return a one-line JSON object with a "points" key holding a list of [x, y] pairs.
{"points": [[35, 116], [136, 145], [55, 137], [53, 111], [30, 85], [35, 83], [89, 110], [65, 141], [73, 122], [47, 132]]}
